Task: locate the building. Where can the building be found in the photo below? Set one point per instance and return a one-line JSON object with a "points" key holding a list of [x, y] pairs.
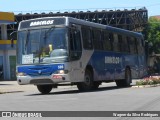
{"points": [[7, 48]]}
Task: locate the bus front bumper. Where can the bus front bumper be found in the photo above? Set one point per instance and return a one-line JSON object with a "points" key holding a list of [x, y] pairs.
{"points": [[42, 80]]}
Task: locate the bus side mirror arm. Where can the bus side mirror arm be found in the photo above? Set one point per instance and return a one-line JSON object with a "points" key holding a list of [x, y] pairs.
{"points": [[73, 26], [12, 38]]}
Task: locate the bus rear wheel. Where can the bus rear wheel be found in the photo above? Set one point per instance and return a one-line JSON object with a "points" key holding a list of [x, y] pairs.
{"points": [[44, 89], [125, 82], [88, 83]]}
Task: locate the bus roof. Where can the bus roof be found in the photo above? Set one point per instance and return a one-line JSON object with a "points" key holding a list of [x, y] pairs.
{"points": [[107, 27]]}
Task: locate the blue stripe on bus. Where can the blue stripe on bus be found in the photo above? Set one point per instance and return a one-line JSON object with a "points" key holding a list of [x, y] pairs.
{"points": [[109, 65], [35, 70]]}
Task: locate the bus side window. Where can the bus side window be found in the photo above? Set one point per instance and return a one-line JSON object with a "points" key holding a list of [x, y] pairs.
{"points": [[140, 47], [132, 45], [115, 43], [128, 44], [87, 39], [136, 47], [143, 46], [111, 40], [75, 44], [97, 39], [124, 44], [106, 41], [120, 43]]}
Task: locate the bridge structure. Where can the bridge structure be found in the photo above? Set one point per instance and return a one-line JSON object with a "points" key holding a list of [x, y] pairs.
{"points": [[134, 19]]}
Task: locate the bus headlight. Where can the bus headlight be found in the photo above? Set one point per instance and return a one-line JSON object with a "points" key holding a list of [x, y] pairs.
{"points": [[61, 72], [21, 74]]}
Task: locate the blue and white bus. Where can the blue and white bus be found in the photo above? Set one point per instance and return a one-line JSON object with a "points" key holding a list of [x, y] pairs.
{"points": [[56, 50]]}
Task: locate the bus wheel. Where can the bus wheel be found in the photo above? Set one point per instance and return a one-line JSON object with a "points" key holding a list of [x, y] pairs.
{"points": [[88, 83], [125, 82], [44, 89]]}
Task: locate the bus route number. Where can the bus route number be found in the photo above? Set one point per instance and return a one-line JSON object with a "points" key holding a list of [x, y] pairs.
{"points": [[60, 66]]}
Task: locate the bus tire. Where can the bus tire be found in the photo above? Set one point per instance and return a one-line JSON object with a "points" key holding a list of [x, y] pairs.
{"points": [[88, 83], [44, 89], [127, 81]]}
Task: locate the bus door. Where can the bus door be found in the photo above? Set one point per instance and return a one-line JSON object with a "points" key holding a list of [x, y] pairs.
{"points": [[75, 51]]}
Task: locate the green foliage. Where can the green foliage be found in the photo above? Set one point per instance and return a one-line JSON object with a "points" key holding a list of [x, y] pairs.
{"points": [[148, 81], [154, 34]]}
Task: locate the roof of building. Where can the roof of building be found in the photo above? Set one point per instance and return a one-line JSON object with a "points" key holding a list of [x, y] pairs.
{"points": [[6, 18]]}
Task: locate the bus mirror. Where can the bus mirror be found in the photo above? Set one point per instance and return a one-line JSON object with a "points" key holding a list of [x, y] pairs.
{"points": [[13, 36], [73, 26]]}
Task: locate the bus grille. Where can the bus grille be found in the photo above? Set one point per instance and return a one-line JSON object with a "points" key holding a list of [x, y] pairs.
{"points": [[41, 81]]}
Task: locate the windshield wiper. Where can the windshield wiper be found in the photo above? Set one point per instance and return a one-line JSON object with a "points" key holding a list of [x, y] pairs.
{"points": [[46, 32], [40, 57]]}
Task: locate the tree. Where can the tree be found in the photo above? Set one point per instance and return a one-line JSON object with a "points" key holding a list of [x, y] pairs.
{"points": [[154, 34]]}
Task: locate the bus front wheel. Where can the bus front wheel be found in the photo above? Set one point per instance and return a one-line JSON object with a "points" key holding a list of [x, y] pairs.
{"points": [[44, 89], [88, 83], [125, 82]]}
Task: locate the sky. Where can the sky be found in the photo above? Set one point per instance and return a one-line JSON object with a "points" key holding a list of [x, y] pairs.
{"points": [[25, 6]]}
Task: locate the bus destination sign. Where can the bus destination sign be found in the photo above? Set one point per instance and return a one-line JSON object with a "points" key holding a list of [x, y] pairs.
{"points": [[42, 22]]}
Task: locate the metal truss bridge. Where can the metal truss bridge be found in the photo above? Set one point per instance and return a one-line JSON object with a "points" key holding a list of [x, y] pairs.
{"points": [[134, 19]]}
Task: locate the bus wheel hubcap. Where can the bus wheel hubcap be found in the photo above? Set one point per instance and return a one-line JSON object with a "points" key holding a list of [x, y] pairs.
{"points": [[87, 80]]}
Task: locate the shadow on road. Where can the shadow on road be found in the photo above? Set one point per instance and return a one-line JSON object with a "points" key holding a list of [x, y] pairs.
{"points": [[6, 84], [11, 92], [77, 91]]}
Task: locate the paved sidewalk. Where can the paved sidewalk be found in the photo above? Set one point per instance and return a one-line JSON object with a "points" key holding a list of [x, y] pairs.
{"points": [[13, 86]]}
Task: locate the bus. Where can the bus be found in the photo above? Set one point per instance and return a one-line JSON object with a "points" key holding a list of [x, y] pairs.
{"points": [[53, 51]]}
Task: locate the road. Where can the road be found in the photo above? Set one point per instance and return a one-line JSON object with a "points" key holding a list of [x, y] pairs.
{"points": [[107, 98]]}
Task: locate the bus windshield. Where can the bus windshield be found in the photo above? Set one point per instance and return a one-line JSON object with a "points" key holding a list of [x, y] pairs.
{"points": [[42, 46]]}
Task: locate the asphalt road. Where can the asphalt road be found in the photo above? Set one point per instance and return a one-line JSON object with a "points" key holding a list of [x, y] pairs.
{"points": [[107, 98]]}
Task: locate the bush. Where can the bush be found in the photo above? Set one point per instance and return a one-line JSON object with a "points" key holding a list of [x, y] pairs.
{"points": [[152, 80]]}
